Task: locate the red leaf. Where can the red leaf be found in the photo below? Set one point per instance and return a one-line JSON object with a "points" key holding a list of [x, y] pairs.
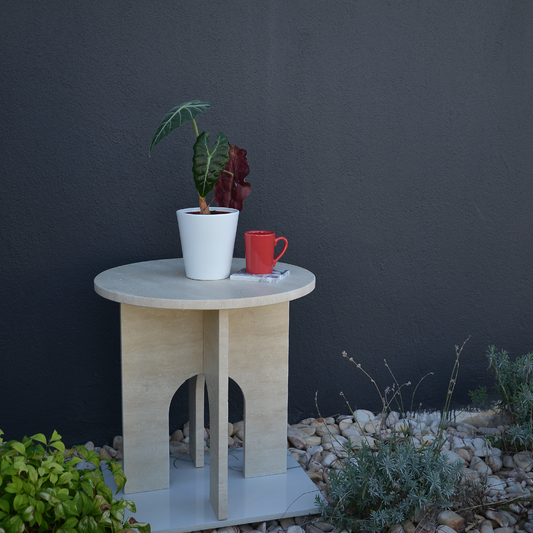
{"points": [[231, 189]]}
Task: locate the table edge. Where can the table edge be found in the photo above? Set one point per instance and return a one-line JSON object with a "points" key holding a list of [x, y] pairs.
{"points": [[235, 303]]}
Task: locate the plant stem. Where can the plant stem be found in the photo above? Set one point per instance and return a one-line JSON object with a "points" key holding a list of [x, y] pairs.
{"points": [[195, 127]]}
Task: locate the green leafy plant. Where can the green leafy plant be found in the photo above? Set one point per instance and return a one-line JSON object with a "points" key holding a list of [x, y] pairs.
{"points": [[479, 397], [44, 487], [514, 385], [222, 167]]}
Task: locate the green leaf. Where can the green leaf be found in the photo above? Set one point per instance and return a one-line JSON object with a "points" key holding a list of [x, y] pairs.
{"points": [[87, 504], [19, 501], [27, 514], [208, 163], [4, 505], [176, 117], [143, 527], [88, 524], [130, 506], [14, 524], [19, 447], [58, 446], [59, 510], [39, 437], [55, 436], [71, 522]]}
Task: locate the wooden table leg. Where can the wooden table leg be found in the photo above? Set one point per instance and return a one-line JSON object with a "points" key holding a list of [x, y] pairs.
{"points": [[161, 349], [216, 332], [196, 419], [259, 351]]}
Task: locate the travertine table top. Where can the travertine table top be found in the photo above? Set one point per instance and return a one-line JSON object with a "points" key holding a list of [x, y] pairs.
{"points": [[163, 284]]}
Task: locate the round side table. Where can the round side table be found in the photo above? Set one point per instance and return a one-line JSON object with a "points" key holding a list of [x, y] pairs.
{"points": [[175, 329]]}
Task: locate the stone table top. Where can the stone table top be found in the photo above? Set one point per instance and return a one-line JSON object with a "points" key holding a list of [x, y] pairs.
{"points": [[163, 284]]}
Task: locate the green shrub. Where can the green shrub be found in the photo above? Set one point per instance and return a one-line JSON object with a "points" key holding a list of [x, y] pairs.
{"points": [[514, 385], [41, 489], [377, 489], [479, 397]]}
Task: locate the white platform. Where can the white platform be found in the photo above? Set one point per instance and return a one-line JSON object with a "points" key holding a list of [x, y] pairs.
{"points": [[185, 505]]}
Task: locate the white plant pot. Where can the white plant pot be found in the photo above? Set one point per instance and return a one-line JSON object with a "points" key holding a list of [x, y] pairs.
{"points": [[207, 242]]}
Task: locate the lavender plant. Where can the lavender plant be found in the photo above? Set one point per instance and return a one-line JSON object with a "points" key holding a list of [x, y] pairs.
{"points": [[385, 485], [514, 385]]}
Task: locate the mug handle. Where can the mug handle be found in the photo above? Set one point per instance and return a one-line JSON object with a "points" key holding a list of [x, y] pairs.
{"points": [[276, 259]]}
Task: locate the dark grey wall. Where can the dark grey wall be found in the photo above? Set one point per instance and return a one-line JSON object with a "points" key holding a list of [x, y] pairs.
{"points": [[390, 142]]}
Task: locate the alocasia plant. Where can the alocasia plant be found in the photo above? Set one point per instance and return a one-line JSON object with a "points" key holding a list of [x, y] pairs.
{"points": [[222, 166]]}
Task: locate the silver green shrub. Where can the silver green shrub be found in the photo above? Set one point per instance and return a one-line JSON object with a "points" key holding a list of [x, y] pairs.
{"points": [[375, 489], [514, 385]]}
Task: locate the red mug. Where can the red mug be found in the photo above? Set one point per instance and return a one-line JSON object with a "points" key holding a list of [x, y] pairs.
{"points": [[259, 248]]}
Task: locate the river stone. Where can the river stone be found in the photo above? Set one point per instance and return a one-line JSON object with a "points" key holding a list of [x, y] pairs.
{"points": [[396, 528], [238, 426], [486, 527], [294, 529], [313, 441], [325, 430], [180, 449], [177, 436], [452, 456], [516, 488], [357, 441], [324, 526], [314, 449], [495, 483], [350, 432], [494, 462], [118, 442], [480, 466], [402, 426], [504, 530], [451, 519], [466, 428], [373, 426], [104, 454], [297, 442], [363, 416], [508, 461], [392, 419], [511, 520], [409, 527], [308, 430], [334, 438], [523, 460], [286, 522], [89, 445], [345, 424], [490, 431], [328, 459], [463, 454], [110, 450], [445, 529], [311, 528]]}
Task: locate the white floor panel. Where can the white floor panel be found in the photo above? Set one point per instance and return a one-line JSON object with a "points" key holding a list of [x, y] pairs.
{"points": [[186, 507]]}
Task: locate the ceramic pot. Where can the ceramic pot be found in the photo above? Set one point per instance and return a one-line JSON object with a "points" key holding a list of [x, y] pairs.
{"points": [[207, 241]]}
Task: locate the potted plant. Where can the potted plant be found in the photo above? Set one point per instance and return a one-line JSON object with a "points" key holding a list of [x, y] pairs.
{"points": [[208, 236]]}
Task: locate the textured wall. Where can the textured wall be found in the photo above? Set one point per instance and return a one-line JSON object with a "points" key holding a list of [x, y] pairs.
{"points": [[391, 143]]}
